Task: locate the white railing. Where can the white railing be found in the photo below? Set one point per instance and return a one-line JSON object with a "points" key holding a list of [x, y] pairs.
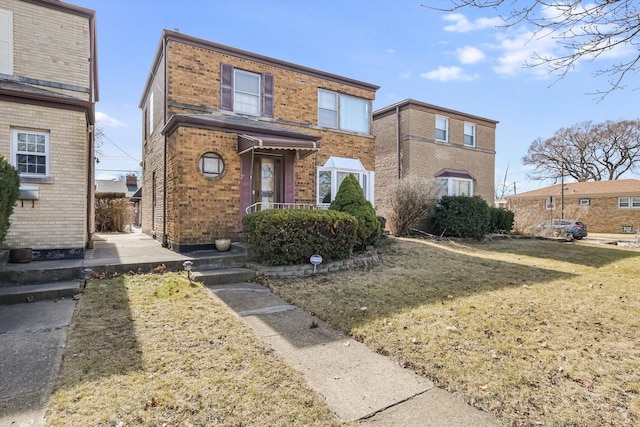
{"points": [[260, 206]]}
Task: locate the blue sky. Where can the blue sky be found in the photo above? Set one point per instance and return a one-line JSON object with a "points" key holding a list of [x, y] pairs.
{"points": [[463, 61]]}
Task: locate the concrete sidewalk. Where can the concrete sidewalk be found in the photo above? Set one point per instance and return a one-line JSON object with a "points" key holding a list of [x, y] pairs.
{"points": [[359, 384]]}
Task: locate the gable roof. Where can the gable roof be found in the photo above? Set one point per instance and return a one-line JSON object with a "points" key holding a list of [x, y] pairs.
{"points": [[586, 189], [115, 186]]}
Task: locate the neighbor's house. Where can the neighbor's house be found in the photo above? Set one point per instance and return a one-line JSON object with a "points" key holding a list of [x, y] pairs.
{"points": [[414, 138], [129, 187], [48, 88], [604, 206], [228, 132]]}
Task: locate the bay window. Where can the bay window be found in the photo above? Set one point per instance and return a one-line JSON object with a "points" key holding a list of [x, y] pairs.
{"points": [[334, 171]]}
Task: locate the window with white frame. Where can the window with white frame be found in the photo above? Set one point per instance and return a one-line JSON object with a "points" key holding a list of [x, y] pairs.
{"points": [[452, 186], [344, 112], [442, 129], [469, 135], [584, 201], [246, 92], [31, 153], [629, 202], [211, 165], [551, 202], [6, 42], [334, 171]]}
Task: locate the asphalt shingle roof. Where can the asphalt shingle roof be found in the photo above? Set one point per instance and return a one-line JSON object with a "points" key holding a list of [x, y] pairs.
{"points": [[586, 189]]}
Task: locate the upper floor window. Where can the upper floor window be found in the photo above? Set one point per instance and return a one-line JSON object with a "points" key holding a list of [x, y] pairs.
{"points": [[629, 202], [344, 112], [469, 135], [6, 42], [246, 92], [31, 153], [442, 129]]}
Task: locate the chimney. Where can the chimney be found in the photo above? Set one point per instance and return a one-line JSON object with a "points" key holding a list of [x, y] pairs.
{"points": [[132, 180]]}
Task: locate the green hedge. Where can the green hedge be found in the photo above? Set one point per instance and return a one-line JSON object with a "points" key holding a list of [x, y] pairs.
{"points": [[350, 199], [463, 216], [9, 191], [501, 220], [291, 236]]}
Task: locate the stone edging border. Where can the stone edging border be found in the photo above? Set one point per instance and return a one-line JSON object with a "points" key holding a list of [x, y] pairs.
{"points": [[365, 261]]}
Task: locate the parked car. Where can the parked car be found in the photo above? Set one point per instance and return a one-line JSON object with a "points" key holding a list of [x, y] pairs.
{"points": [[560, 228]]}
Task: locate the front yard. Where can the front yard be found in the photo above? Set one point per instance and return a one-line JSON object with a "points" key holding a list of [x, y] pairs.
{"points": [[536, 332]]}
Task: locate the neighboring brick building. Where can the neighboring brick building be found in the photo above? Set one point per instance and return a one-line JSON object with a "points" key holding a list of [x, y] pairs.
{"points": [[48, 87], [418, 139], [604, 206], [227, 130]]}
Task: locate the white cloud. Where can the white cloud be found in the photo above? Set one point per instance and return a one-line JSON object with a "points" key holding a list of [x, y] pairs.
{"points": [[446, 74], [519, 48], [462, 25], [107, 121], [470, 55]]}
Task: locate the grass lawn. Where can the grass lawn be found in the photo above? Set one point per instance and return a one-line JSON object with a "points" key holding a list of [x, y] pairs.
{"points": [[156, 350], [536, 332]]}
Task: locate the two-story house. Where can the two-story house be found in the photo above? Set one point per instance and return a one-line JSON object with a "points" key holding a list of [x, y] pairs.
{"points": [[414, 138], [48, 89], [226, 132]]}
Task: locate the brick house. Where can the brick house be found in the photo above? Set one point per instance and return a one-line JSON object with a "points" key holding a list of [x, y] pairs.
{"points": [[418, 139], [48, 89], [604, 206], [228, 131]]}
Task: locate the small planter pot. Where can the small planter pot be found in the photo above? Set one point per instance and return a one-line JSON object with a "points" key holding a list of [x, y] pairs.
{"points": [[22, 255], [223, 245]]}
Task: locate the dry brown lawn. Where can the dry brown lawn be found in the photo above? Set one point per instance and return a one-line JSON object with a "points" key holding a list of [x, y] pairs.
{"points": [[156, 350], [536, 332]]}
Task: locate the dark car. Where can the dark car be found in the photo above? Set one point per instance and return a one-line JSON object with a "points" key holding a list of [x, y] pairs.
{"points": [[561, 227]]}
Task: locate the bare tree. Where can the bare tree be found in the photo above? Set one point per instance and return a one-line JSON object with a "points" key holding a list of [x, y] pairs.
{"points": [[412, 200], [585, 29], [99, 136], [587, 151]]}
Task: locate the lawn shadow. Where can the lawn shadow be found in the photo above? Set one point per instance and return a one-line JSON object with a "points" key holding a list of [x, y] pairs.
{"points": [[101, 341], [581, 253]]}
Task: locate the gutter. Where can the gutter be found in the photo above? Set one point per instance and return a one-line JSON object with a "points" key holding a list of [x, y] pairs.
{"points": [[165, 240]]}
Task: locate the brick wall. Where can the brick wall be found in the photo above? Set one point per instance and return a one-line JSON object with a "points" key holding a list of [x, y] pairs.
{"points": [[603, 216], [58, 219], [50, 45]]}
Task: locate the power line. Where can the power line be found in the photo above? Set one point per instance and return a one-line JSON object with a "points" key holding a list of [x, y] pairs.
{"points": [[118, 147]]}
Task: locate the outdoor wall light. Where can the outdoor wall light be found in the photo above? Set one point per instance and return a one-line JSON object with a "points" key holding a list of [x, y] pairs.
{"points": [[188, 265]]}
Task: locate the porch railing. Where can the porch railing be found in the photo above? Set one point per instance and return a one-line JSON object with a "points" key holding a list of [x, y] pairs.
{"points": [[260, 206]]}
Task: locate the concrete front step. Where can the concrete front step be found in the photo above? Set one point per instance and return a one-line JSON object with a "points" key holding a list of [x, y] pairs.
{"points": [[32, 293], [210, 277]]}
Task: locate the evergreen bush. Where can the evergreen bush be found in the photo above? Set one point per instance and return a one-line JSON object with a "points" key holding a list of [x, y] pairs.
{"points": [[350, 199], [9, 192], [501, 220], [291, 236], [463, 216]]}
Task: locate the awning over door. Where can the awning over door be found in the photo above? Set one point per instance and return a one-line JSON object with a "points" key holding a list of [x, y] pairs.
{"points": [[272, 142]]}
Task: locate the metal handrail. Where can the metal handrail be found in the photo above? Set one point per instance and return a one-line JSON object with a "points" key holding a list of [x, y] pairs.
{"points": [[266, 205]]}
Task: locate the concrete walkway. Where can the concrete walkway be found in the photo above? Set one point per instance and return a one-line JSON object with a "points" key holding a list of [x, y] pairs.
{"points": [[358, 384]]}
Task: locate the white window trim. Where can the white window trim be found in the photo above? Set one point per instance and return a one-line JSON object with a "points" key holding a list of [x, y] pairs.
{"points": [[446, 128], [630, 202], [473, 135], [14, 152], [365, 179], [6, 42], [236, 91], [339, 96], [451, 179], [584, 201]]}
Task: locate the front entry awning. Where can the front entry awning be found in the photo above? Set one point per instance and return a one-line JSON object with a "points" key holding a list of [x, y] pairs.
{"points": [[304, 147]]}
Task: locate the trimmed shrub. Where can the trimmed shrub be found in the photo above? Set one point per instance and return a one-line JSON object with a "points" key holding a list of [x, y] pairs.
{"points": [[463, 216], [350, 199], [501, 220], [9, 192], [412, 200], [291, 236]]}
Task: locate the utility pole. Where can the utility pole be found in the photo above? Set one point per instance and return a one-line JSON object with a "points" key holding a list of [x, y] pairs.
{"points": [[562, 191]]}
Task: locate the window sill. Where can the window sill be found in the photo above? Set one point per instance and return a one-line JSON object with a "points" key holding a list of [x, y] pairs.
{"points": [[36, 179]]}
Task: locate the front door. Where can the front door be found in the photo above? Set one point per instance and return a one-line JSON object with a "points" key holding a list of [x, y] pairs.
{"points": [[267, 181]]}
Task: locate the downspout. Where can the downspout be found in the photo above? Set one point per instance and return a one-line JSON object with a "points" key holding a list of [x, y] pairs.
{"points": [[398, 142], [165, 240]]}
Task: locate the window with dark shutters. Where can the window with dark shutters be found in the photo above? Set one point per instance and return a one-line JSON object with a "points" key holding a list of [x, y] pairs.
{"points": [[227, 90]]}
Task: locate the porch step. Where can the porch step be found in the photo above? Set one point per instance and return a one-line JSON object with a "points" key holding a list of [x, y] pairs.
{"points": [[40, 275], [46, 291], [210, 277]]}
